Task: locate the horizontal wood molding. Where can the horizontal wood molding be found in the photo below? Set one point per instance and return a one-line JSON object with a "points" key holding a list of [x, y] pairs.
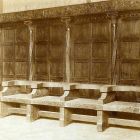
{"points": [[73, 10]]}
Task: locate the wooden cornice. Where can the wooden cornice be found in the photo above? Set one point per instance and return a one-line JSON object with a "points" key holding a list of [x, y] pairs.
{"points": [[72, 10]]}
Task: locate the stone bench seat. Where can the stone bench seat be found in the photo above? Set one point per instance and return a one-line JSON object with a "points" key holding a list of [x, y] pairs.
{"points": [[74, 101], [48, 101], [17, 94], [82, 103], [119, 106], [112, 105], [35, 100], [26, 97], [17, 98]]}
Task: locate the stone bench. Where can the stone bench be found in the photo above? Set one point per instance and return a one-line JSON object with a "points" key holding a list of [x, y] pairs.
{"points": [[112, 105], [16, 96], [33, 99], [73, 101], [50, 100]]}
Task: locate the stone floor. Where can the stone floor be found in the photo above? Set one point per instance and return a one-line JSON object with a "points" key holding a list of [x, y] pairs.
{"points": [[17, 128]]}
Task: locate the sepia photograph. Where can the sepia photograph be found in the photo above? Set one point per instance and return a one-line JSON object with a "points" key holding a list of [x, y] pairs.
{"points": [[69, 69]]}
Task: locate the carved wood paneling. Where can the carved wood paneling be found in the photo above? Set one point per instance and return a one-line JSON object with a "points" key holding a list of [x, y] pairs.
{"points": [[8, 42], [91, 52], [14, 47], [56, 52], [101, 52], [129, 51], [21, 51], [41, 51], [49, 51], [81, 52], [90, 55]]}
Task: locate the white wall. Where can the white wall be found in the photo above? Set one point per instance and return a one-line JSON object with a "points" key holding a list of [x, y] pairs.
{"points": [[22, 5]]}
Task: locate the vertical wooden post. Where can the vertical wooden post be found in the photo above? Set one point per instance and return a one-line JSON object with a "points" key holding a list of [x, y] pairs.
{"points": [[31, 48], [114, 47], [66, 20]]}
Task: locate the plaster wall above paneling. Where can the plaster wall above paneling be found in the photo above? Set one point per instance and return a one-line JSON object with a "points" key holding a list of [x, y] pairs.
{"points": [[1, 6], [23, 5]]}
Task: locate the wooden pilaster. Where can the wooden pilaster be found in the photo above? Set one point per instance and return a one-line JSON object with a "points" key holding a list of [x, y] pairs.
{"points": [[114, 47], [31, 48], [67, 20]]}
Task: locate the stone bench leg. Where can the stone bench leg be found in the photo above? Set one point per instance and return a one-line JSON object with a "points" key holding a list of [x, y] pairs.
{"points": [[4, 109], [32, 113], [102, 120], [65, 116]]}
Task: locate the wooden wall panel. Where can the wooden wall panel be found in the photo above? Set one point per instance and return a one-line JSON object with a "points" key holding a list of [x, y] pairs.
{"points": [[8, 52], [82, 32], [56, 70], [14, 47], [81, 71], [49, 52], [101, 52], [9, 35], [130, 29], [42, 32], [100, 72], [21, 69], [8, 42], [56, 52], [91, 52], [8, 70], [129, 52], [41, 51], [21, 51], [81, 52], [101, 31]]}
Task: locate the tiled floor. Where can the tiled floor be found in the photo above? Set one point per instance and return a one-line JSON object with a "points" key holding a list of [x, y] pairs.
{"points": [[17, 128]]}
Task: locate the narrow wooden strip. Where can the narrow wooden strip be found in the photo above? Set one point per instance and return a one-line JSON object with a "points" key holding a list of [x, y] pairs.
{"points": [[85, 118], [17, 111], [124, 122], [48, 114]]}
